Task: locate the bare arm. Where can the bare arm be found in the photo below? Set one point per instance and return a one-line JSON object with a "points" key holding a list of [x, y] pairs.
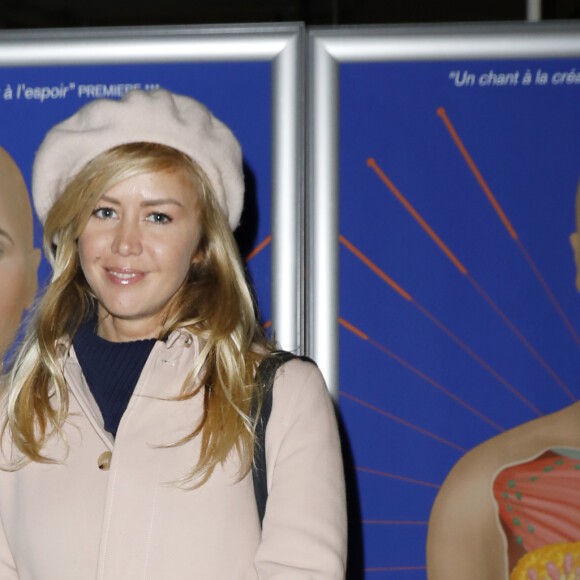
{"points": [[464, 539]]}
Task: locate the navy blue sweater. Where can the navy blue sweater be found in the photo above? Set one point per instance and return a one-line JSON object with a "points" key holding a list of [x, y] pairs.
{"points": [[111, 369]]}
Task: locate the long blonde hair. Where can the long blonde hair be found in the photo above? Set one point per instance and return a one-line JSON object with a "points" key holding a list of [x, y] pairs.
{"points": [[214, 303]]}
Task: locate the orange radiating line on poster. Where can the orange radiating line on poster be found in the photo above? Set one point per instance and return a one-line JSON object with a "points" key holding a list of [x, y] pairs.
{"points": [[402, 421], [522, 338], [418, 373], [399, 477], [487, 367], [443, 114], [374, 268], [438, 323], [395, 568], [394, 522], [371, 162], [353, 329], [259, 248], [548, 291]]}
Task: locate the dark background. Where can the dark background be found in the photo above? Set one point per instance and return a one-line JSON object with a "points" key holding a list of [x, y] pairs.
{"points": [[81, 13]]}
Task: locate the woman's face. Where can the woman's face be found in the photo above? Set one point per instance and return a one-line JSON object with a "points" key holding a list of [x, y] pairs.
{"points": [[136, 251], [18, 259]]}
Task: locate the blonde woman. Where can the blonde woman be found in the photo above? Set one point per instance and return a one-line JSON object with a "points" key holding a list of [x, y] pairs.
{"points": [[128, 440]]}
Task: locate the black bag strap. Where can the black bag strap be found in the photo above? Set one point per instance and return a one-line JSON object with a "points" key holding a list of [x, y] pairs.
{"points": [[265, 375]]}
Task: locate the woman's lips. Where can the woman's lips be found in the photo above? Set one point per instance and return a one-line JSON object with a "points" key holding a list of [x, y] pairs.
{"points": [[124, 276]]}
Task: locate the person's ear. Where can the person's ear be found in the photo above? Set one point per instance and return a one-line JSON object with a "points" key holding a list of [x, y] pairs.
{"points": [[196, 258]]}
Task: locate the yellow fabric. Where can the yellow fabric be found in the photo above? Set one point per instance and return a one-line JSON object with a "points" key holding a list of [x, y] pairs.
{"points": [[553, 562]]}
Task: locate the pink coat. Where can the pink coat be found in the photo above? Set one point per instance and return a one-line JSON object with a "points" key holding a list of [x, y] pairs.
{"points": [[77, 521]]}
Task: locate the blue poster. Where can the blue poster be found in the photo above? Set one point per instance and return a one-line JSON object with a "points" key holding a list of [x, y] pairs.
{"points": [[459, 315]]}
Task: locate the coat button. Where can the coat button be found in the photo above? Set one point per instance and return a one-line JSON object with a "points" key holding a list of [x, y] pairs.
{"points": [[104, 461]]}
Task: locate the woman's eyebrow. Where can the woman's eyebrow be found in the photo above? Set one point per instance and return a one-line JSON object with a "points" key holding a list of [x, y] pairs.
{"points": [[110, 199], [161, 201]]}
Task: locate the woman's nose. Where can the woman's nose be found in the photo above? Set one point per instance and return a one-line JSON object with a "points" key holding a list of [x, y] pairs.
{"points": [[127, 240]]}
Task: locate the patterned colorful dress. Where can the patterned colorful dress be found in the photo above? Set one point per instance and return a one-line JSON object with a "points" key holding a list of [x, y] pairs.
{"points": [[539, 508]]}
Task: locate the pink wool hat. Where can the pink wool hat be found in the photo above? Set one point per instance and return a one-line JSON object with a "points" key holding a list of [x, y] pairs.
{"points": [[156, 117]]}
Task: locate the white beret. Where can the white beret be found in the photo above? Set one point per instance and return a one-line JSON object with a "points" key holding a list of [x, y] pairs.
{"points": [[153, 116]]}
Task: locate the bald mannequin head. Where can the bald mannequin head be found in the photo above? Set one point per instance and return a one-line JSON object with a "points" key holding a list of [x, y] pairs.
{"points": [[18, 258]]}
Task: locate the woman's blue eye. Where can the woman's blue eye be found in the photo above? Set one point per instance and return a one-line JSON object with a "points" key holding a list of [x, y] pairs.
{"points": [[159, 218], [104, 212]]}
